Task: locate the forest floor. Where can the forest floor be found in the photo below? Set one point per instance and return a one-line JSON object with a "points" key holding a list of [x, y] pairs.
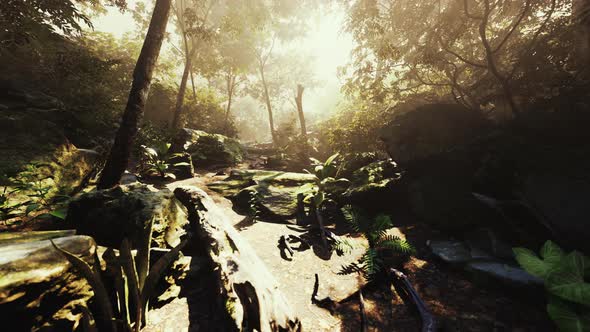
{"points": [[451, 295], [458, 303]]}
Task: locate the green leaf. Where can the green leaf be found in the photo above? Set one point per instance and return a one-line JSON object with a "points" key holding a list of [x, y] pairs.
{"points": [[319, 198], [529, 261], [182, 164], [551, 253], [567, 281], [331, 159], [32, 207], [566, 318], [60, 213]]}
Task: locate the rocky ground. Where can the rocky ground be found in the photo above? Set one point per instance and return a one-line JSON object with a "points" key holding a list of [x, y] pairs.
{"points": [[462, 301]]}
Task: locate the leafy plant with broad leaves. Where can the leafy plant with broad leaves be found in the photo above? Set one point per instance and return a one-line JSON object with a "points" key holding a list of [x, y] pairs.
{"points": [[565, 277], [375, 231], [314, 192], [158, 159]]}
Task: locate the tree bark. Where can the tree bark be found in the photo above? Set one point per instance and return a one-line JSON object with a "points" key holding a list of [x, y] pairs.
{"points": [[299, 102], [231, 83], [268, 107], [181, 91], [142, 77]]}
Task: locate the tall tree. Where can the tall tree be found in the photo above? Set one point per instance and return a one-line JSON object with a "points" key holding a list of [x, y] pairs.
{"points": [[192, 19], [474, 50], [142, 77], [299, 102], [262, 56]]}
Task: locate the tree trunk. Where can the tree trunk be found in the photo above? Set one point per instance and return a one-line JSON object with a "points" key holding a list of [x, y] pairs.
{"points": [[231, 82], [181, 91], [299, 102], [269, 108], [142, 77]]}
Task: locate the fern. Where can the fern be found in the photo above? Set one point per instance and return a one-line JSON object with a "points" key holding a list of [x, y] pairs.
{"points": [[375, 231], [396, 244]]}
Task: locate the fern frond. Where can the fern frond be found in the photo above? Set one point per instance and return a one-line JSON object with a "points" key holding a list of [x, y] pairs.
{"points": [[381, 223], [396, 244], [354, 218], [371, 263], [350, 269], [343, 246]]}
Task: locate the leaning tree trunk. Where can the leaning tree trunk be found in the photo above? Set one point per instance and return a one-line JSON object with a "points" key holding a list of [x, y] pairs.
{"points": [[268, 108], [142, 78], [181, 91]]}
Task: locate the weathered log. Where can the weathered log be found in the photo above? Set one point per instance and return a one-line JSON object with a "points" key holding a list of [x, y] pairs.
{"points": [[250, 293], [429, 323]]}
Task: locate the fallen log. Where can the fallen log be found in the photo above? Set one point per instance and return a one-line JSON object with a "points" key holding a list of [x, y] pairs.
{"points": [[249, 292], [429, 323]]}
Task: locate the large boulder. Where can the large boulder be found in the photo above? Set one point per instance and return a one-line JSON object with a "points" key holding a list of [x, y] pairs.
{"points": [[245, 289], [561, 200], [39, 288], [34, 128], [429, 130], [208, 149], [128, 212], [275, 192]]}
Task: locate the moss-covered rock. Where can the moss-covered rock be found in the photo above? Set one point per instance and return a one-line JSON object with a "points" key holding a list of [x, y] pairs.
{"points": [[33, 132], [39, 288], [126, 212], [208, 149], [275, 192]]}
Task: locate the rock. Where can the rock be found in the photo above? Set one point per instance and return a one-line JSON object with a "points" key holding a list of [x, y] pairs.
{"points": [[23, 237], [508, 274], [444, 199], [186, 169], [335, 187], [129, 210], [561, 200], [39, 289], [128, 178], [376, 172], [486, 241], [35, 130], [353, 161], [374, 186], [246, 289], [429, 130], [28, 138], [276, 192], [208, 149], [452, 252]]}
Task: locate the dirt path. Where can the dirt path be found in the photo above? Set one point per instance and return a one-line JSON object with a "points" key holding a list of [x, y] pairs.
{"points": [[296, 276], [460, 304]]}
